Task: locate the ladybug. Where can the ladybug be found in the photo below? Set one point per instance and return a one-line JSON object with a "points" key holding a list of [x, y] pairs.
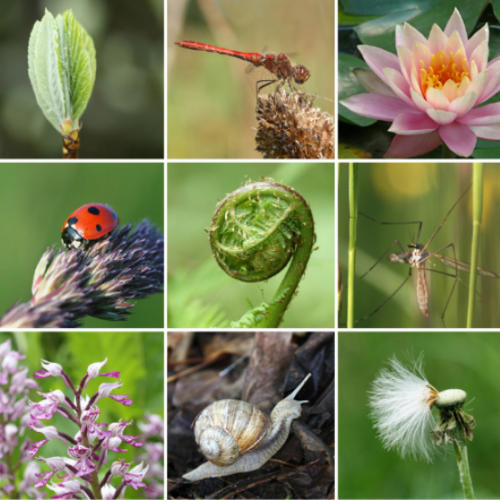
{"points": [[87, 224]]}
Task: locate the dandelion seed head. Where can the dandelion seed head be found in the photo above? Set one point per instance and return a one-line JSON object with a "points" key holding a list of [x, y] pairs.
{"points": [[401, 401]]}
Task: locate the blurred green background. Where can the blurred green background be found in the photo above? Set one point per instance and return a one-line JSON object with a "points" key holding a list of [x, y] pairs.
{"points": [[197, 286], [419, 192], [36, 199], [124, 118], [137, 356], [467, 361], [211, 98]]}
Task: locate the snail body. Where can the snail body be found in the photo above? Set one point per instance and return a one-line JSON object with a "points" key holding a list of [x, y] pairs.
{"points": [[235, 436]]}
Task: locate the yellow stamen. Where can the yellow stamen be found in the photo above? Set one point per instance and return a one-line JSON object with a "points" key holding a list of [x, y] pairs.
{"points": [[441, 69]]}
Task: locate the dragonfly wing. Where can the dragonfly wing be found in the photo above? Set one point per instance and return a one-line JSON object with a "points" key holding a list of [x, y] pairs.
{"points": [[463, 266]]}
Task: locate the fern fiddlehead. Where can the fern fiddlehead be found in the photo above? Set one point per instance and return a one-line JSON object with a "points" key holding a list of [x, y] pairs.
{"points": [[255, 232]]}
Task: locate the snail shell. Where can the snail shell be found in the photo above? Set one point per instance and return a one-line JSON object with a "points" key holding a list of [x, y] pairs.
{"points": [[229, 428], [235, 436]]}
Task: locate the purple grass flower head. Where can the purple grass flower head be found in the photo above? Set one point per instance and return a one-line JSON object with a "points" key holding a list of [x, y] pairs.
{"points": [[98, 282], [88, 450], [14, 420]]}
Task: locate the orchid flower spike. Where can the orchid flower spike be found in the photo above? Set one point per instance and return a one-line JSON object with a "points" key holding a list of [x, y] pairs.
{"points": [[401, 401]]}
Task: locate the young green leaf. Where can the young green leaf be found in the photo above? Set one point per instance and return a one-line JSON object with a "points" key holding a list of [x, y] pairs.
{"points": [[62, 69]]}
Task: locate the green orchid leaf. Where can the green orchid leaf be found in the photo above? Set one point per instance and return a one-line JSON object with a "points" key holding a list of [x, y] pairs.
{"points": [[62, 68]]}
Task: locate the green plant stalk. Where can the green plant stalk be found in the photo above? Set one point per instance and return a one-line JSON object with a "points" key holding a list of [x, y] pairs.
{"points": [[446, 152], [477, 215], [463, 468], [300, 209], [353, 217]]}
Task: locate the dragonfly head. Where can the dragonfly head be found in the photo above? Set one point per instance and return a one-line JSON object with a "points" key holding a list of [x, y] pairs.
{"points": [[301, 74]]}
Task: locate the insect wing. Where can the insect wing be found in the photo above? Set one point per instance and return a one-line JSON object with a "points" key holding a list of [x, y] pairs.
{"points": [[399, 258], [463, 266]]}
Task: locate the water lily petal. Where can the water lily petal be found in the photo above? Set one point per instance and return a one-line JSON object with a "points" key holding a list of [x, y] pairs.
{"points": [[456, 23], [419, 101], [399, 35], [482, 35], [486, 115], [413, 124], [437, 39], [405, 146], [490, 133], [450, 90], [473, 70], [437, 99], [478, 85], [380, 107], [464, 104], [480, 56], [493, 61], [441, 117], [399, 85], [464, 85], [459, 138], [492, 87], [404, 56], [415, 83], [454, 43], [411, 36], [378, 59], [371, 82], [420, 53]]}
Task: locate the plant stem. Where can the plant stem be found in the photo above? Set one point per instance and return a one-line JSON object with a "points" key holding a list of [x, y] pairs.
{"points": [[446, 152], [463, 468], [353, 217], [477, 191], [288, 287]]}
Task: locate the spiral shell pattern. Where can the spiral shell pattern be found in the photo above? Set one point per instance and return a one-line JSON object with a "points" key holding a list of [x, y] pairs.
{"points": [[228, 429]]}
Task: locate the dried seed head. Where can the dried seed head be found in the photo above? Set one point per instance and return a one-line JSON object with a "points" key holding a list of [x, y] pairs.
{"points": [[290, 127]]}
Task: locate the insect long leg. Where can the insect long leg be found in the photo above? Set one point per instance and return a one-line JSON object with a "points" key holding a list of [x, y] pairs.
{"points": [[383, 255], [395, 223], [386, 300], [444, 220], [269, 82]]}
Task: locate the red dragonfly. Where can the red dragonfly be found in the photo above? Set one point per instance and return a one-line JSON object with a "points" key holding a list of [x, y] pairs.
{"points": [[278, 64]]}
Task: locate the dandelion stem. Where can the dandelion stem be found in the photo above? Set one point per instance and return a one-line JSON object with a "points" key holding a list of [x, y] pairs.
{"points": [[477, 191], [446, 152], [463, 468], [353, 217]]}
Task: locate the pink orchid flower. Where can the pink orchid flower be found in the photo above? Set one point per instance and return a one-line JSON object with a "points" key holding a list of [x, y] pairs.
{"points": [[432, 89]]}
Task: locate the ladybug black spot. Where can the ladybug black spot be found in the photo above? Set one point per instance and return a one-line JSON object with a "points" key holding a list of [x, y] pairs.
{"points": [[93, 210], [72, 221], [98, 227]]}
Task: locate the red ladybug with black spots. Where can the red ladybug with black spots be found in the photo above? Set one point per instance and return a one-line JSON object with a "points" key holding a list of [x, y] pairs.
{"points": [[88, 224]]}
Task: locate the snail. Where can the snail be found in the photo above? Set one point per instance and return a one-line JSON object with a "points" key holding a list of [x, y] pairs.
{"points": [[255, 233], [235, 436]]}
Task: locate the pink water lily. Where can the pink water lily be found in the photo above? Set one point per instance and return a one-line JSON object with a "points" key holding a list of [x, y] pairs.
{"points": [[432, 89]]}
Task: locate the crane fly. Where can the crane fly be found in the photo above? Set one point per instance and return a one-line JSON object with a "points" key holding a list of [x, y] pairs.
{"points": [[416, 256], [278, 64]]}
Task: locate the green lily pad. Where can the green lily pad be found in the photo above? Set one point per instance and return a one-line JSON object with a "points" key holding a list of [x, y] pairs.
{"points": [[348, 85]]}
